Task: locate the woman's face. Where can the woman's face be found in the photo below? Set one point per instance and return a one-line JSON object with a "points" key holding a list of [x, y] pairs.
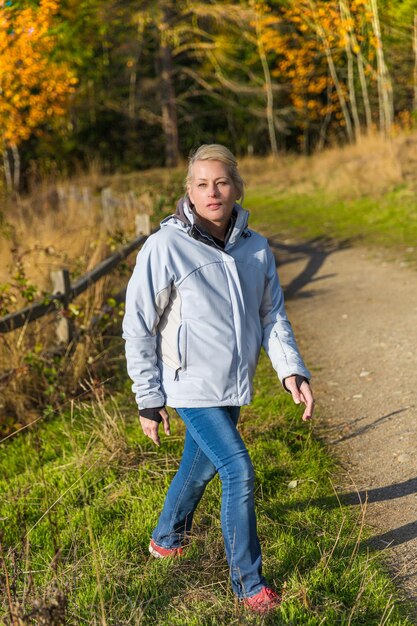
{"points": [[212, 191]]}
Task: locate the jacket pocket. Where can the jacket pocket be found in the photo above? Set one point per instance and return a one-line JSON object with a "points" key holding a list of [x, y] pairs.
{"points": [[182, 345]]}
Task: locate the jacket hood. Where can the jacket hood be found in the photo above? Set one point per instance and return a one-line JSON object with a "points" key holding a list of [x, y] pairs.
{"points": [[184, 218]]}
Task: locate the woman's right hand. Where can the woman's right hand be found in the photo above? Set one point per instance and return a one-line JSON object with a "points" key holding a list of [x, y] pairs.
{"points": [[151, 428], [301, 393]]}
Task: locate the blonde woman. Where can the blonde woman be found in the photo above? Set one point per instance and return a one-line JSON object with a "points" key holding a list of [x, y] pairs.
{"points": [[203, 298]]}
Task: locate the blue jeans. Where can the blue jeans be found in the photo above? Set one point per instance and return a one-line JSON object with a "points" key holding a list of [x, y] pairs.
{"points": [[213, 444]]}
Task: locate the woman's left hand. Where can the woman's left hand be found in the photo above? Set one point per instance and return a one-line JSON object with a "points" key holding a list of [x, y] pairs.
{"points": [[301, 394]]}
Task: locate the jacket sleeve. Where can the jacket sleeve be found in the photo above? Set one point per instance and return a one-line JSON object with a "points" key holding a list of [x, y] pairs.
{"points": [[278, 338], [147, 296]]}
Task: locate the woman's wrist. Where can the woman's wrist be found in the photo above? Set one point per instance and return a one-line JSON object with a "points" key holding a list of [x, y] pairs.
{"points": [[152, 413]]}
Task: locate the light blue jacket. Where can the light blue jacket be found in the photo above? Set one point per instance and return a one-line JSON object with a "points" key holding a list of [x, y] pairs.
{"points": [[197, 315]]}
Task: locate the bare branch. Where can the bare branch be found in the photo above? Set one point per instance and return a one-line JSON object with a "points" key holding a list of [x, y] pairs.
{"points": [[235, 86]]}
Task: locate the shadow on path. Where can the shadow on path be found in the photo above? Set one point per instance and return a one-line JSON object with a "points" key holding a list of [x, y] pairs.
{"points": [[396, 536], [328, 431], [315, 251]]}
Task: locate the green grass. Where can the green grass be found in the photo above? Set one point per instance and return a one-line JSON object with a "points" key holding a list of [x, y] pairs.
{"points": [[389, 220], [81, 493]]}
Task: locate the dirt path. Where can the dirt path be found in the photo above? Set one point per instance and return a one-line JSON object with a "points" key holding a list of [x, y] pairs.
{"points": [[355, 317]]}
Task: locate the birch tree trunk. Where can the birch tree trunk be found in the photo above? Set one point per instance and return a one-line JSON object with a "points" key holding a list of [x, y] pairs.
{"points": [[268, 88], [355, 47], [385, 94], [333, 73], [16, 167], [365, 93], [415, 61], [7, 170], [344, 11], [326, 122]]}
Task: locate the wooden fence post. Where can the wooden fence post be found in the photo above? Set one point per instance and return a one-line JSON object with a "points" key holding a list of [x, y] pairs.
{"points": [[86, 197], [61, 283], [108, 205], [142, 224], [131, 201], [62, 196]]}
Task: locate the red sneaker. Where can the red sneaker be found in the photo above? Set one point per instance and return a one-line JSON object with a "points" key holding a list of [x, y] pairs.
{"points": [[263, 602], [160, 553]]}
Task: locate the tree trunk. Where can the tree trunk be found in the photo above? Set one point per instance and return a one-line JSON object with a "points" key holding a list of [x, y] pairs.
{"points": [[167, 94], [16, 167], [361, 69], [133, 74], [333, 73], [269, 91], [351, 77], [386, 109], [326, 122], [7, 170], [365, 93], [336, 82], [91, 99], [415, 61]]}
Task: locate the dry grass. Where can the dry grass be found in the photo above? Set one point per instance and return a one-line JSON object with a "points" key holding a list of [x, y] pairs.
{"points": [[372, 166], [47, 235], [36, 372]]}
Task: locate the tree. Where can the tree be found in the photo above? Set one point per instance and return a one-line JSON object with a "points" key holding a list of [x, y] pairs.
{"points": [[399, 32], [164, 16], [326, 50], [34, 88], [233, 63]]}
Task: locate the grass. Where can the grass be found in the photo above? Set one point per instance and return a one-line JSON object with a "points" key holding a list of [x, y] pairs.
{"points": [[81, 494], [388, 221]]}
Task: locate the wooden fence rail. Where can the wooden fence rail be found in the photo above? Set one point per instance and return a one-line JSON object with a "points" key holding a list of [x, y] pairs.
{"points": [[68, 291]]}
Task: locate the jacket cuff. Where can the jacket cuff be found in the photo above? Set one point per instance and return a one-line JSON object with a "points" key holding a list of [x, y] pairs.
{"points": [[152, 413], [298, 380]]}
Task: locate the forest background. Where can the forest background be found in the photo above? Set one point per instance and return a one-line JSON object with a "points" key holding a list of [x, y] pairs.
{"points": [[130, 85]]}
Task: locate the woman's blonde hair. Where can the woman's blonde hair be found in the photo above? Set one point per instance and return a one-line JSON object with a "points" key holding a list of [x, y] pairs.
{"points": [[217, 152]]}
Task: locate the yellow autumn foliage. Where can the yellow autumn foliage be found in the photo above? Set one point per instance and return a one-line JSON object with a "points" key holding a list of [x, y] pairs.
{"points": [[307, 30], [34, 87]]}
